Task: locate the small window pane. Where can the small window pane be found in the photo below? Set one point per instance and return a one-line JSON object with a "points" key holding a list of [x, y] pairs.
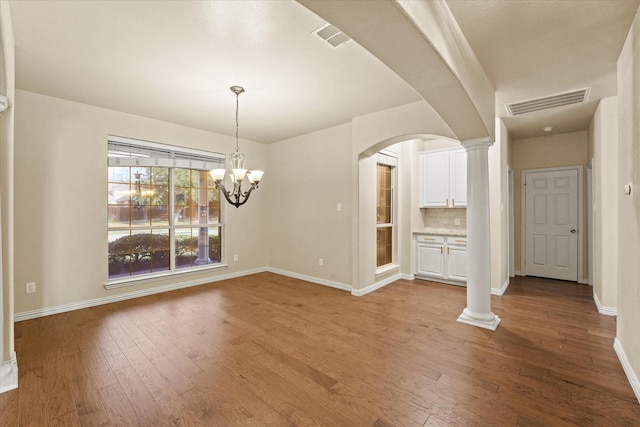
{"points": [[160, 250], [159, 215], [140, 175], [140, 252], [160, 176], [214, 206], [197, 246], [119, 174], [384, 194], [119, 208], [119, 253], [384, 246]]}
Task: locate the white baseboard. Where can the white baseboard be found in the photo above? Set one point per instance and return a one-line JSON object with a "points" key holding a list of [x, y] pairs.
{"points": [[584, 281], [408, 276], [502, 290], [9, 374], [609, 311], [47, 311], [311, 279], [519, 273], [631, 375], [375, 286]]}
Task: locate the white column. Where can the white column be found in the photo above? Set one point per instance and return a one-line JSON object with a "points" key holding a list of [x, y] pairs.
{"points": [[478, 310]]}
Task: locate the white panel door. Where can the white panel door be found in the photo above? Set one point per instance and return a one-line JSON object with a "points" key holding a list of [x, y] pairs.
{"points": [[551, 224]]}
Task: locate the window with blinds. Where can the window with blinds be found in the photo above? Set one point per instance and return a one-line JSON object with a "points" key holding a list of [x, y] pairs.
{"points": [[164, 214]]}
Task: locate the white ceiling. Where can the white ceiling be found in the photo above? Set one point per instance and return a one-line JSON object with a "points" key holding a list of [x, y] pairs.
{"points": [[175, 60], [531, 49]]}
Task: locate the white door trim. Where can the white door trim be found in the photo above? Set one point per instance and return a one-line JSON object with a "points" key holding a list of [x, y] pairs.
{"points": [[581, 231], [510, 223], [590, 224]]}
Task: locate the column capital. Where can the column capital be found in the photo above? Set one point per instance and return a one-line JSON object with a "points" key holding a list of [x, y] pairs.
{"points": [[470, 144]]}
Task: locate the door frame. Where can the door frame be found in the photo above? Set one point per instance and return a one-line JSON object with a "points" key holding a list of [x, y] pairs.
{"points": [[510, 223], [523, 212]]}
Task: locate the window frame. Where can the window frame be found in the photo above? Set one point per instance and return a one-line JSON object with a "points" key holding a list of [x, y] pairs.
{"points": [[390, 159], [151, 154]]}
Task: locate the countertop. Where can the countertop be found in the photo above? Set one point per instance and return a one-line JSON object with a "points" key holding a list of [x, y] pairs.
{"points": [[443, 232]]}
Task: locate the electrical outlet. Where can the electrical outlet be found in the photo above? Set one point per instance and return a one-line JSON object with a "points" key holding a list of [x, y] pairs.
{"points": [[235, 257], [30, 288], [321, 262], [339, 207], [456, 221]]}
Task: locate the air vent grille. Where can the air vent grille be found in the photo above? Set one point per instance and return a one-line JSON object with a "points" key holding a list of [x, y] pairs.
{"points": [[552, 101], [332, 35]]}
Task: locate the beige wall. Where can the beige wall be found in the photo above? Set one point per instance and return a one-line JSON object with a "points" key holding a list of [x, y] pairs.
{"points": [[604, 135], [566, 149], [60, 171], [7, 88], [628, 308], [308, 176]]}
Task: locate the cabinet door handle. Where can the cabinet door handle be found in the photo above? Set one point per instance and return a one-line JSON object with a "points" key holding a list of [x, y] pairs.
{"points": [[446, 202], [453, 202], [448, 251], [461, 241], [440, 249], [429, 238]]}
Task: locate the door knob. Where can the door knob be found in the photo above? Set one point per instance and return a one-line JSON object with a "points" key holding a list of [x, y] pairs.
{"points": [[573, 231]]}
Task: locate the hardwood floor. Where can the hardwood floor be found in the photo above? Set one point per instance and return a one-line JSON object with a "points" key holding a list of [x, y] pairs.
{"points": [[267, 350]]}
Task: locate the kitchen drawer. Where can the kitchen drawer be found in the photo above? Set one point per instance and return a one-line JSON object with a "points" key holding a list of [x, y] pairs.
{"points": [[457, 241], [422, 238]]}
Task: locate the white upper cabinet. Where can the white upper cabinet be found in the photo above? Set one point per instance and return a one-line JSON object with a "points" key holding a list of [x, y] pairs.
{"points": [[458, 178], [443, 179], [434, 179]]}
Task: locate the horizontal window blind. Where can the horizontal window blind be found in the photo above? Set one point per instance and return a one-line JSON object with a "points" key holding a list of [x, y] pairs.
{"points": [[131, 152]]}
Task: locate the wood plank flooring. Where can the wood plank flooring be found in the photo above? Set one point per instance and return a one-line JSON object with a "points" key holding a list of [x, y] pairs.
{"points": [[267, 350]]}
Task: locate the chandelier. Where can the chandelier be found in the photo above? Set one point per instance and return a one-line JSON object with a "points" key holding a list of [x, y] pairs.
{"points": [[237, 173]]}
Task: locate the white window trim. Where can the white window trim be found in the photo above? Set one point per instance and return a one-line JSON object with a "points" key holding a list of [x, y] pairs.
{"points": [[205, 161], [389, 158], [142, 279]]}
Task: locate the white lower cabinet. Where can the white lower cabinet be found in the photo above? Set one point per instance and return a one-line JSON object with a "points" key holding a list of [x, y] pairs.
{"points": [[430, 256], [441, 258]]}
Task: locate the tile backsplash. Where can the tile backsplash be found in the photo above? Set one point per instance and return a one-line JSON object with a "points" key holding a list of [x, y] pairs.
{"points": [[444, 218]]}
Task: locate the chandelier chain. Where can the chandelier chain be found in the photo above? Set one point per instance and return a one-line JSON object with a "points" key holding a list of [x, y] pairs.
{"points": [[237, 146]]}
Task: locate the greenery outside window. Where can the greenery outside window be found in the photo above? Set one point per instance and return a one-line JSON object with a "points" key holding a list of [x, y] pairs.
{"points": [[164, 214]]}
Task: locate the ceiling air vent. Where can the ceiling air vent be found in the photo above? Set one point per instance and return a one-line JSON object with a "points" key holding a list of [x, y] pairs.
{"points": [[552, 101], [332, 35]]}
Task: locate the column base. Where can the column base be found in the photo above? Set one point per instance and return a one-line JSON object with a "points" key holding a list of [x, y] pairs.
{"points": [[9, 374], [486, 321]]}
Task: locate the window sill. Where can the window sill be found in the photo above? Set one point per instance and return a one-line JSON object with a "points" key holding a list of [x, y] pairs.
{"points": [[150, 278], [387, 268]]}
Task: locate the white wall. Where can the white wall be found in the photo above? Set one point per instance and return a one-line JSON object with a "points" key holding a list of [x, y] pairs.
{"points": [[7, 88], [606, 194], [628, 298], [499, 198], [61, 189], [308, 176]]}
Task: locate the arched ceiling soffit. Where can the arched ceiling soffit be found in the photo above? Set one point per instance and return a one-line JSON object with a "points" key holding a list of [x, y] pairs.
{"points": [[423, 44], [403, 138]]}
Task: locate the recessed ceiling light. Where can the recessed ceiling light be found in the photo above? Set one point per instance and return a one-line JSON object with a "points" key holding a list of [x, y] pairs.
{"points": [[547, 128]]}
